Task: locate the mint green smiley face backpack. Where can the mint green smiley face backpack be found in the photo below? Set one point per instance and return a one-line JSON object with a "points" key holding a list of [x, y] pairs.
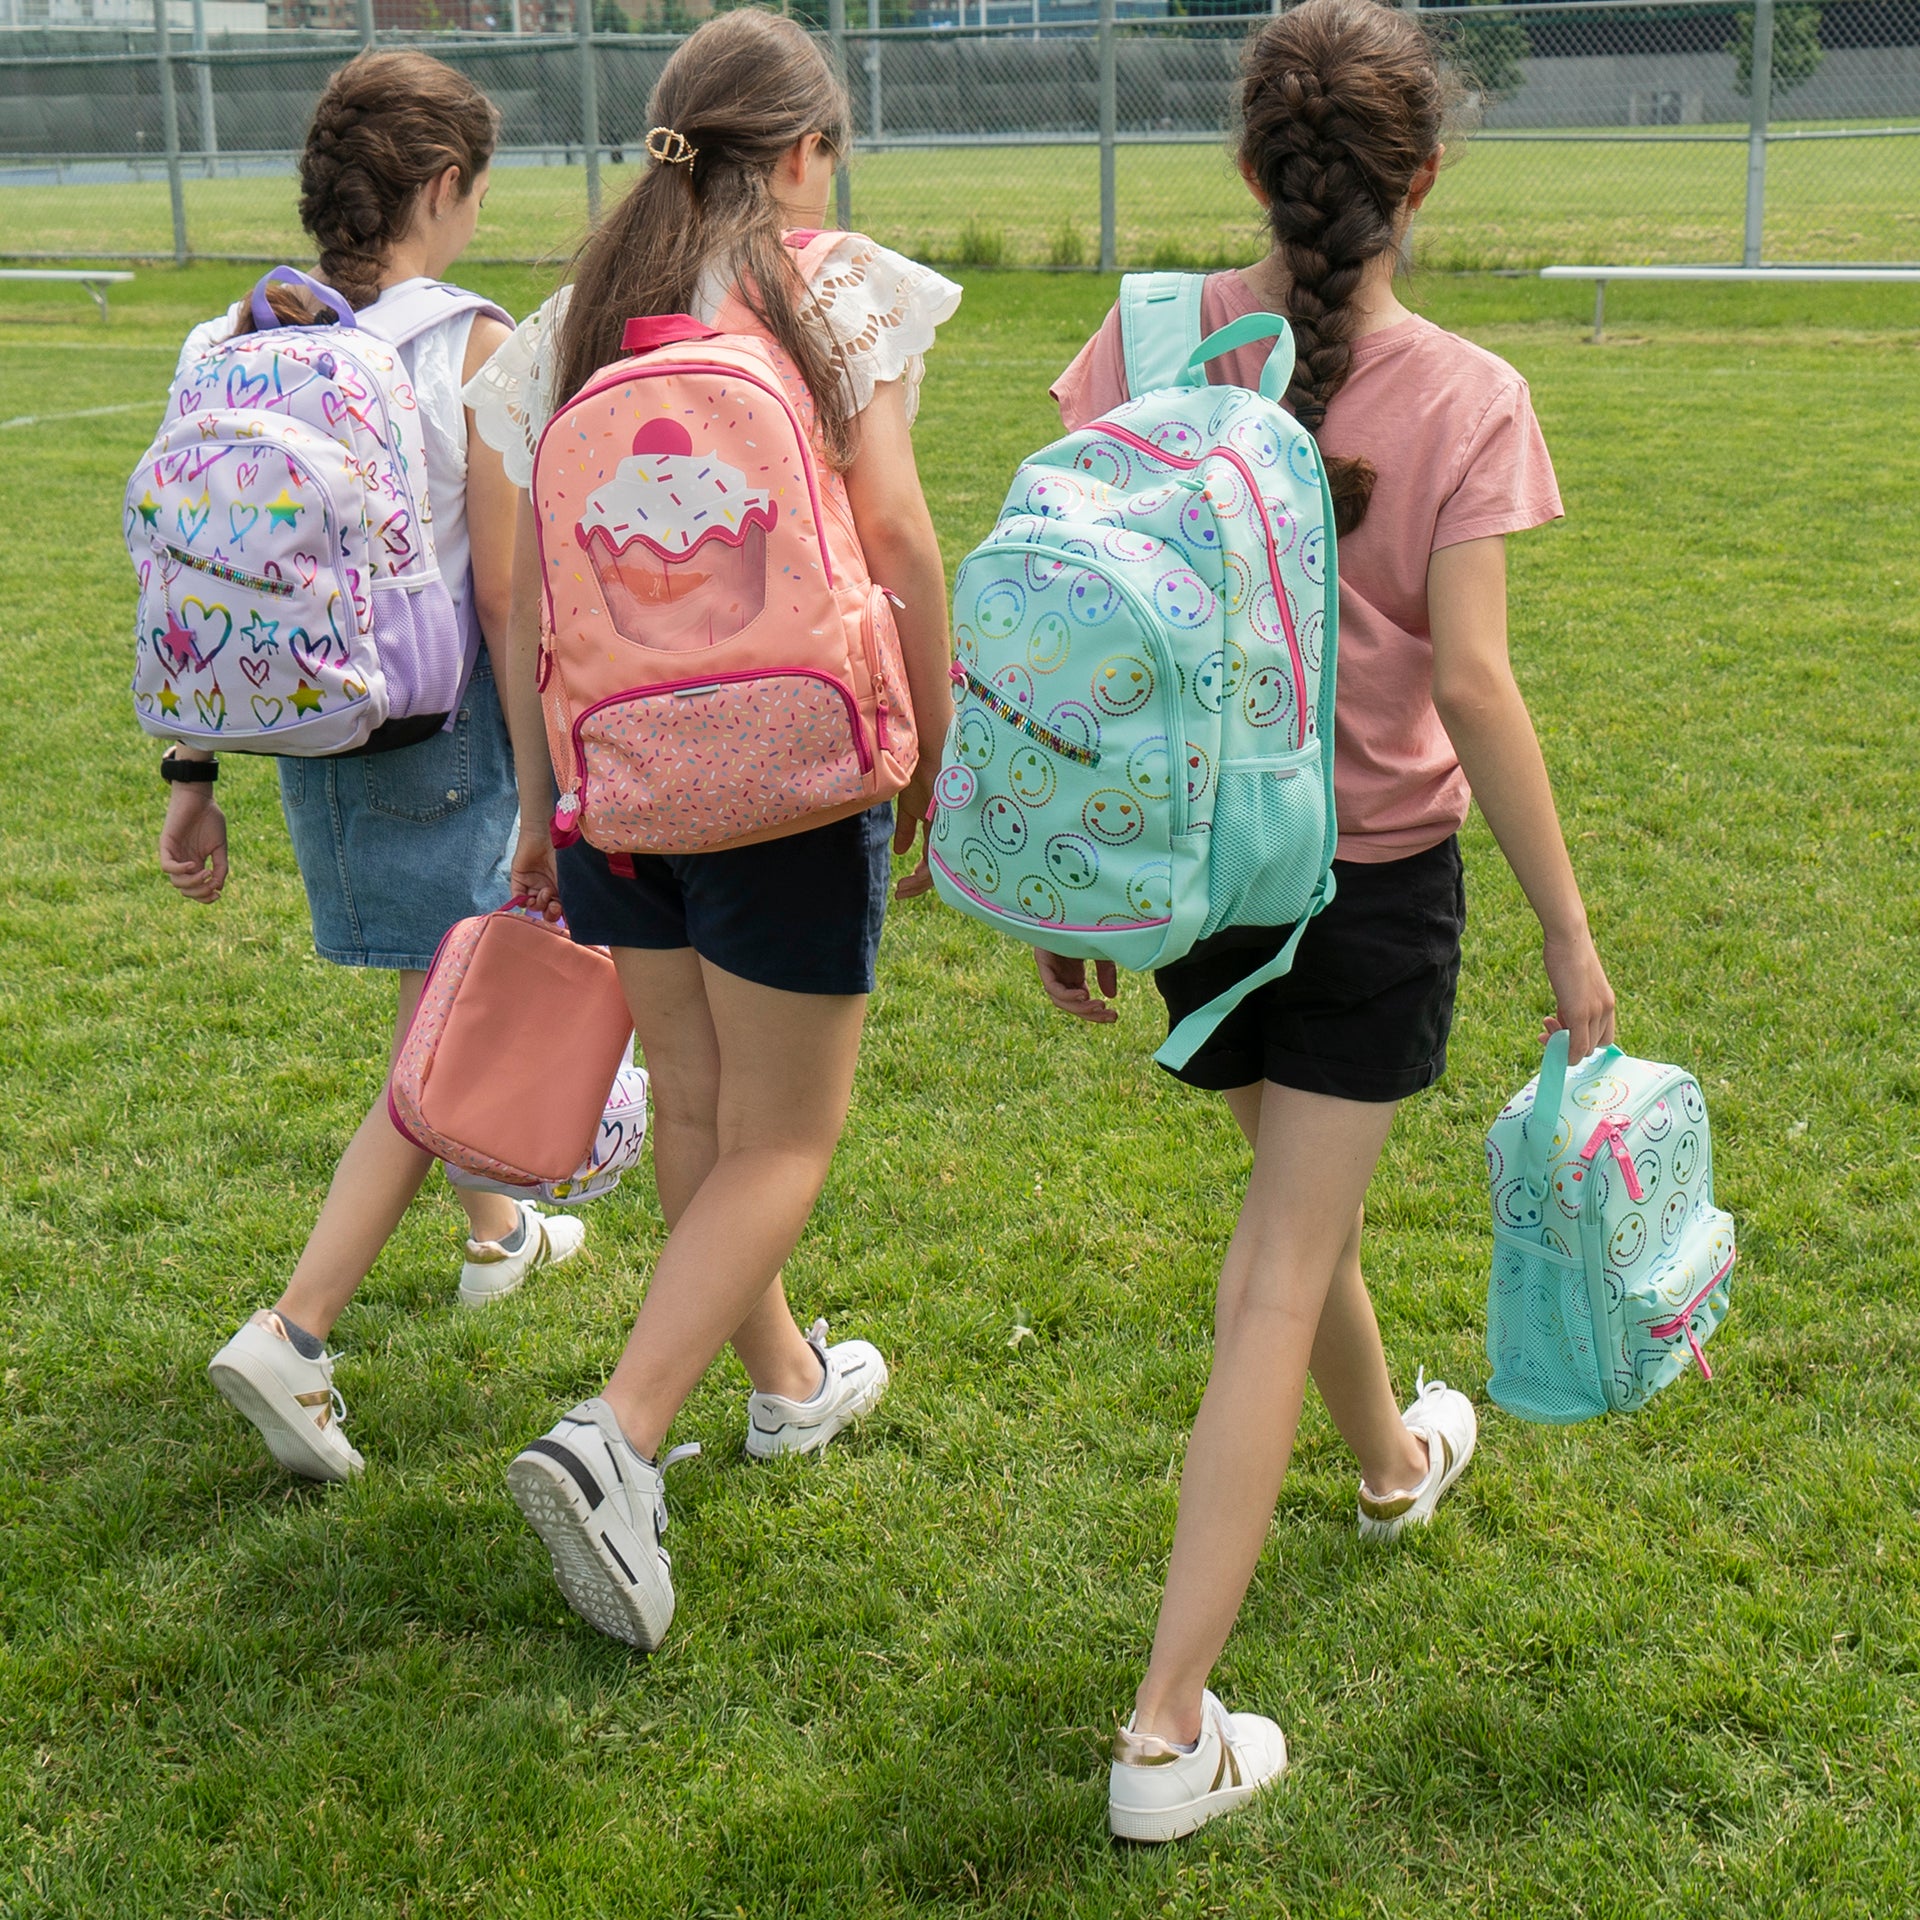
{"points": [[1611, 1263], [1142, 744]]}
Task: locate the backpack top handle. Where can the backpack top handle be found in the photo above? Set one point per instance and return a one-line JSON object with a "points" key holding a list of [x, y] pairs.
{"points": [[266, 319]]}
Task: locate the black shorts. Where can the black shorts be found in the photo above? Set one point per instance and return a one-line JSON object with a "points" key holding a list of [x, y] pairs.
{"points": [[801, 913], [1365, 1013]]}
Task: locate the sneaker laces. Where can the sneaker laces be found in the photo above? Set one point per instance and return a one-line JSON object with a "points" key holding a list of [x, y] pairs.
{"points": [[671, 1458], [817, 1338]]}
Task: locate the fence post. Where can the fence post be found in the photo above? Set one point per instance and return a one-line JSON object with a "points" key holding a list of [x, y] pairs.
{"points": [[1109, 117], [363, 16], [170, 132], [1760, 90], [842, 183], [589, 105], [873, 71], [209, 133]]}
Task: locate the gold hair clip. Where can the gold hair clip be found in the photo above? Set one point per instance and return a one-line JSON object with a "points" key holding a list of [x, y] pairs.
{"points": [[671, 149]]}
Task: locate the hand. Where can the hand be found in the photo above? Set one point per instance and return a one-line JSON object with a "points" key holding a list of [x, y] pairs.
{"points": [[912, 813], [535, 876], [1066, 984], [1582, 999], [193, 843]]}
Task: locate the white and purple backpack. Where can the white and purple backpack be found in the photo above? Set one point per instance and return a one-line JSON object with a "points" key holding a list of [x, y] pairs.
{"points": [[290, 601]]}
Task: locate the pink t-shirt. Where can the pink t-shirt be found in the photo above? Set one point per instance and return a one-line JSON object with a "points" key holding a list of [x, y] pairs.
{"points": [[1451, 433]]}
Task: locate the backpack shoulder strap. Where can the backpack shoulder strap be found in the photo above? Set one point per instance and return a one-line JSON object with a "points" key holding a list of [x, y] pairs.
{"points": [[419, 308], [1159, 328]]}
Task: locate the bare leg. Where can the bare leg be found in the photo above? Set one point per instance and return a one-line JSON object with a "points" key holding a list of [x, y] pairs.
{"points": [[1349, 1365], [778, 1101], [374, 1184], [1311, 1166]]}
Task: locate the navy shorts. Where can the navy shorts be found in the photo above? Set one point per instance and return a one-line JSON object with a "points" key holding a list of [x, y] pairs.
{"points": [[1366, 1010], [801, 914]]}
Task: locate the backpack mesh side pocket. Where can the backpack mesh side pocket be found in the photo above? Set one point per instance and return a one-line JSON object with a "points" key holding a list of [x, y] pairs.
{"points": [[1269, 826], [1540, 1335]]}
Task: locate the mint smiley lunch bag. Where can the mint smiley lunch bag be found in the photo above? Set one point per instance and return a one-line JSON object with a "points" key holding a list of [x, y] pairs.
{"points": [[1142, 743], [1611, 1263]]}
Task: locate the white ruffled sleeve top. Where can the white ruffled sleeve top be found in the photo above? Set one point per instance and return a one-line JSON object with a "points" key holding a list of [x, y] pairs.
{"points": [[879, 309]]}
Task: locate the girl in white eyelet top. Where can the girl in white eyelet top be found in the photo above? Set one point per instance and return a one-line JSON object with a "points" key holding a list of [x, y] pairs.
{"points": [[747, 970]]}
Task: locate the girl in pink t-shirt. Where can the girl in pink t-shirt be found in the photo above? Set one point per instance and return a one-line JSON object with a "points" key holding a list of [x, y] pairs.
{"points": [[1433, 456]]}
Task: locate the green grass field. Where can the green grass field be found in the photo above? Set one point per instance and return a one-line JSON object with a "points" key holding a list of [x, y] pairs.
{"points": [[1501, 204], [1660, 1666]]}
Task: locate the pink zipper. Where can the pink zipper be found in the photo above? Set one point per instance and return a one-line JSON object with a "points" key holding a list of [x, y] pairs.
{"points": [[565, 829], [1682, 1322], [1613, 1131], [1273, 564]]}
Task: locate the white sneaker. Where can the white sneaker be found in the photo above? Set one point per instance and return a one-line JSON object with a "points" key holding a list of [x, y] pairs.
{"points": [[1158, 1791], [289, 1398], [600, 1509], [1443, 1417], [491, 1272], [854, 1379]]}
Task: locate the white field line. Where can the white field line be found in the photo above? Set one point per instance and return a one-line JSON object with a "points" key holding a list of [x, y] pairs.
{"points": [[79, 413]]}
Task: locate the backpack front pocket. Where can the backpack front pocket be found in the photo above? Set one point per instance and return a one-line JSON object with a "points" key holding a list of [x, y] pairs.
{"points": [[1269, 833], [702, 764], [1545, 1349]]}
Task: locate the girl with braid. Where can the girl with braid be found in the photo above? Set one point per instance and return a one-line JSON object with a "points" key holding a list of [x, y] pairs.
{"points": [[1433, 457], [393, 846]]}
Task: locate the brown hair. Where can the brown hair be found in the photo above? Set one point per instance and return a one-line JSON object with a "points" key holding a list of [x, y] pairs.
{"points": [[739, 92], [1341, 103]]}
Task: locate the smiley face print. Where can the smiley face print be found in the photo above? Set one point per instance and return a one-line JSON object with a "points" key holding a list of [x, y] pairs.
{"points": [[1199, 772], [1199, 531], [1148, 505], [1054, 494], [980, 867], [1303, 462], [1113, 817], [1176, 437], [1049, 641], [1073, 861], [1268, 620], [1237, 583], [955, 787], [1107, 463], [1269, 697], [1646, 1164], [1603, 1093], [998, 609], [1182, 599], [1130, 547], [1150, 890], [1691, 1104], [1122, 684], [1511, 1207], [973, 740], [1566, 1191], [1004, 824], [1656, 1124], [1627, 1242], [1210, 681], [1673, 1216], [1686, 1157], [1092, 599], [1044, 570], [1030, 776], [1039, 900], [1149, 770], [1075, 721], [966, 643], [1255, 439], [1313, 632], [1313, 556], [1015, 686], [1283, 521]]}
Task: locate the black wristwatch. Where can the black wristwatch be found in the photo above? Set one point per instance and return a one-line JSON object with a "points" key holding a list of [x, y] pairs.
{"points": [[193, 772]]}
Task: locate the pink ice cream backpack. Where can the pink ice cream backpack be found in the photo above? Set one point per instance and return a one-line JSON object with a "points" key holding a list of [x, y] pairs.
{"points": [[716, 667]]}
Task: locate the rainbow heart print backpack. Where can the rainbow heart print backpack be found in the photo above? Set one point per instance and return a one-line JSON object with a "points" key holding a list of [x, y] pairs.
{"points": [[1611, 1263], [1142, 750], [717, 667], [290, 602]]}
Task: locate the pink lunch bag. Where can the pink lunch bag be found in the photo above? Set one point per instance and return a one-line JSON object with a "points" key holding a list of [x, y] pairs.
{"points": [[510, 1057], [717, 667]]}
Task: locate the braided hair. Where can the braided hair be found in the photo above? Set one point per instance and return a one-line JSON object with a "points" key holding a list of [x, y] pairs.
{"points": [[1341, 103], [387, 125]]}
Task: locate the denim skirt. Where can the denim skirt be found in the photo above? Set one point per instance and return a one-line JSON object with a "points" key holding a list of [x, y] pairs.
{"points": [[395, 847]]}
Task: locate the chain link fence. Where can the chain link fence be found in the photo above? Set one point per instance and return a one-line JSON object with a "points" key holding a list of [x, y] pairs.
{"points": [[1616, 131]]}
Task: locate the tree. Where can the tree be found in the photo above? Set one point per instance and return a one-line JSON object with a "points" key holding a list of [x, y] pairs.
{"points": [[609, 16], [1797, 51], [1488, 49]]}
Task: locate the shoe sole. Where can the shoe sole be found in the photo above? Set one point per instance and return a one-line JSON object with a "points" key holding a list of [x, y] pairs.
{"points": [[472, 1296], [593, 1557], [1384, 1532], [1153, 1824], [771, 1446], [253, 1391]]}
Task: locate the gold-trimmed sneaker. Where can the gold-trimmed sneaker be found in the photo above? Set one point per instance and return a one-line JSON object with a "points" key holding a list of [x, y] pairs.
{"points": [[289, 1398], [491, 1272], [1443, 1417], [1157, 1791]]}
